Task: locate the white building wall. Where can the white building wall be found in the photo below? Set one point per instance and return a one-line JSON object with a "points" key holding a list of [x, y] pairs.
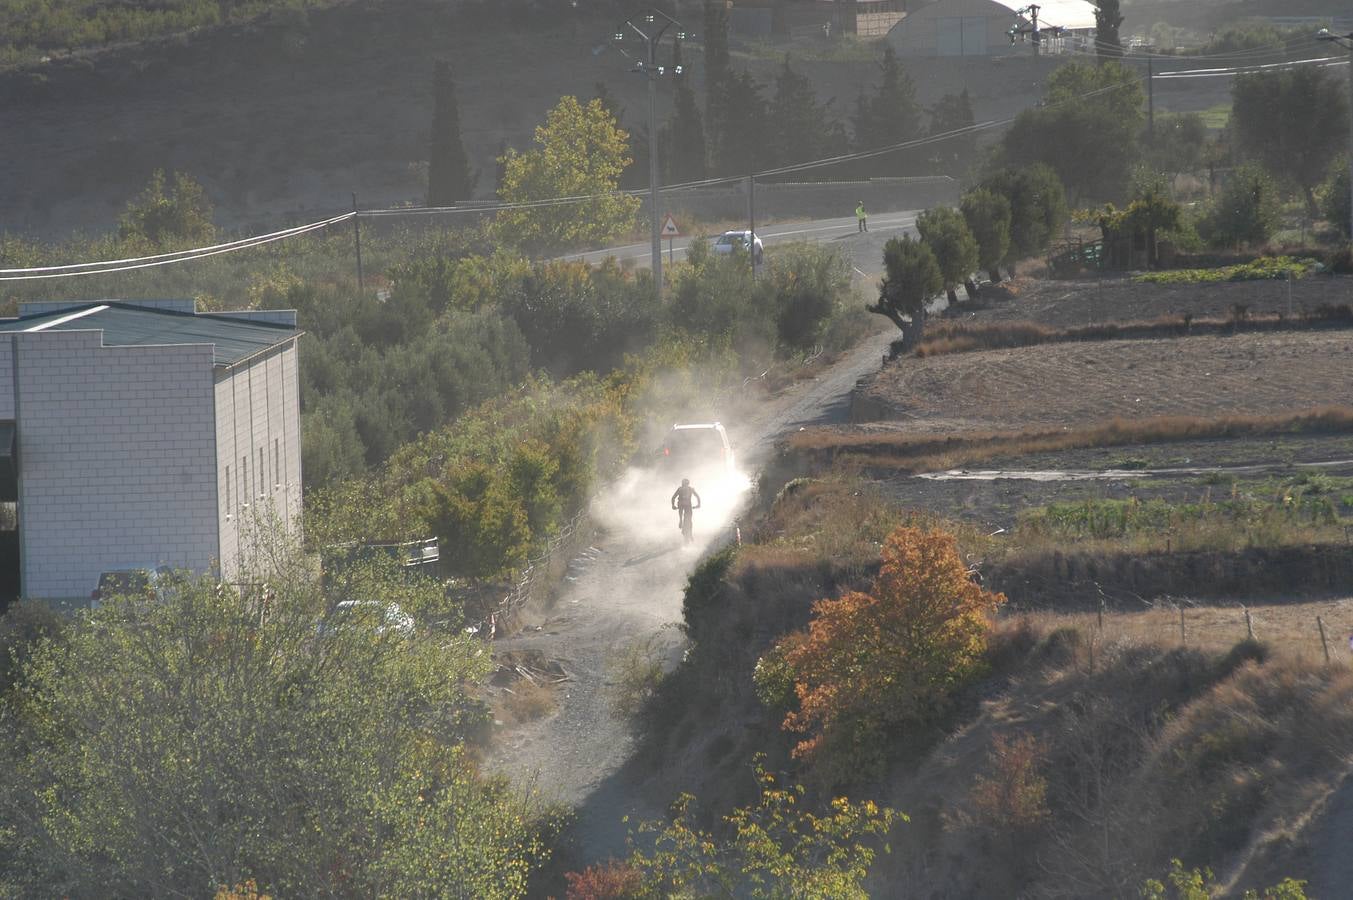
{"points": [[6, 378], [117, 459], [258, 451]]}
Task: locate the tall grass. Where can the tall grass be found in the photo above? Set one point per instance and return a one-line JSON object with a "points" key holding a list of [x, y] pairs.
{"points": [[1236, 522]]}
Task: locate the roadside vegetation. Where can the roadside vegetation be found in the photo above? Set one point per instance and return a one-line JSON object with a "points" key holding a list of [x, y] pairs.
{"points": [[1032, 737], [325, 753]]}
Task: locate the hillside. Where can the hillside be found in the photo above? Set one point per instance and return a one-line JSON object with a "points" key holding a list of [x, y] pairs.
{"points": [[285, 117]]}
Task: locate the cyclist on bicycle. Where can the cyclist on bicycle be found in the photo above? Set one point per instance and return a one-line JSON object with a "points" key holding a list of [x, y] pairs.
{"points": [[681, 502]]}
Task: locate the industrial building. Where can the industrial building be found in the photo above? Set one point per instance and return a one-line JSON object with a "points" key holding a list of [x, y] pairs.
{"points": [[141, 433]]}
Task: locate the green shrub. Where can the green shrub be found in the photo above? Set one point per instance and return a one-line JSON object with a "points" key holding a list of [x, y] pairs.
{"points": [[1265, 268], [704, 589]]}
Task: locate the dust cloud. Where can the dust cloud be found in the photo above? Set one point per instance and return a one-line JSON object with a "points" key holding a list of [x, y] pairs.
{"points": [[637, 507]]}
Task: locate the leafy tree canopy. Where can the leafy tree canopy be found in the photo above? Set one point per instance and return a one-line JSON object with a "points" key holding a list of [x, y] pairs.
{"points": [[181, 217], [912, 276], [1037, 208], [871, 663], [946, 232], [580, 151], [1087, 131], [988, 216], [204, 738], [1294, 122]]}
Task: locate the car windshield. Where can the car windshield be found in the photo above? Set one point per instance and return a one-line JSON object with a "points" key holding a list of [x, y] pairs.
{"points": [[122, 583]]}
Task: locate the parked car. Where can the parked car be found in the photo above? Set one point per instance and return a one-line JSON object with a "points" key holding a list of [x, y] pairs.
{"points": [[729, 240], [696, 447], [379, 617], [131, 581]]}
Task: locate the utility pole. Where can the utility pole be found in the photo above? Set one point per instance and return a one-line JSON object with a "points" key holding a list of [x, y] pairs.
{"points": [[1034, 32], [656, 22], [1345, 41], [1150, 100], [357, 240], [751, 221]]}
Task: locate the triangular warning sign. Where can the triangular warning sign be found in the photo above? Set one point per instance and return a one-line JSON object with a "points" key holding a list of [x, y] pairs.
{"points": [[669, 227]]}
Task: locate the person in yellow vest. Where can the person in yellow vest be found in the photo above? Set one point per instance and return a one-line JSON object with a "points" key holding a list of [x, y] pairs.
{"points": [[860, 217]]}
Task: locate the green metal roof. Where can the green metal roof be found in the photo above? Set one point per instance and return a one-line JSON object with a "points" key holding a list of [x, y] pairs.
{"points": [[128, 325]]}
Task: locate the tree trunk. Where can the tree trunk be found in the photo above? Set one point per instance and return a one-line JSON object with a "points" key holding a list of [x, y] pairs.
{"points": [[1312, 208], [952, 292], [971, 287], [913, 333], [995, 274]]}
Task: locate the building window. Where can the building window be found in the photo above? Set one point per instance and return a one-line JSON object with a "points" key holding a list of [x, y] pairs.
{"points": [[277, 464], [244, 483], [262, 475], [227, 492]]}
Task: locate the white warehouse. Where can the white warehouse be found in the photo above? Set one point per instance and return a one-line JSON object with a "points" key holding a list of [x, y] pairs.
{"points": [[141, 433]]}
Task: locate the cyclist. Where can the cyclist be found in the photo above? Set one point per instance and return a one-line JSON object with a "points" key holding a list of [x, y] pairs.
{"points": [[681, 502]]}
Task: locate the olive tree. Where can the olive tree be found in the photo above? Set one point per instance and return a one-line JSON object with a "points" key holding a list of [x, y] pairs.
{"points": [[911, 278], [946, 232], [208, 737], [988, 216]]}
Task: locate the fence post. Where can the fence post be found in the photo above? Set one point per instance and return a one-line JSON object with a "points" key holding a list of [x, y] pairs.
{"points": [[1324, 644], [1101, 613], [1249, 626], [1183, 635]]}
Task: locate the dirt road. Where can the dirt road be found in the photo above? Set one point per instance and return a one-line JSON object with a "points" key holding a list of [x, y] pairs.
{"points": [[630, 593]]}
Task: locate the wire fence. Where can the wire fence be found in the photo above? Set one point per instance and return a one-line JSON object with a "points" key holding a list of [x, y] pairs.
{"points": [[541, 574], [1318, 630]]}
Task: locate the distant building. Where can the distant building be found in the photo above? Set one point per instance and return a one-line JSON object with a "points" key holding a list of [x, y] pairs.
{"points": [[982, 27], [140, 434]]}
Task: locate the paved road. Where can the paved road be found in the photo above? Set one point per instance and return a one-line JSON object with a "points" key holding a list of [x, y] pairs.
{"points": [[866, 249]]}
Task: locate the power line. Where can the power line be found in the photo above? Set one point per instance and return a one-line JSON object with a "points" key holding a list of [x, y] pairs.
{"points": [[163, 259], [198, 253]]}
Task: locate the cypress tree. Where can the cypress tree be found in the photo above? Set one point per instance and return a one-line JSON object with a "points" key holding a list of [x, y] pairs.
{"points": [[717, 70], [449, 176], [1107, 19], [803, 129], [686, 159]]}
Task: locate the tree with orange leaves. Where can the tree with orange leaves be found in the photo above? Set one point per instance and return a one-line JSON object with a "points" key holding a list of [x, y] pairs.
{"points": [[871, 662]]}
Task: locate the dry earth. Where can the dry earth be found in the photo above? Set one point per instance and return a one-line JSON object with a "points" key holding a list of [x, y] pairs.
{"points": [[1066, 304], [1076, 384]]}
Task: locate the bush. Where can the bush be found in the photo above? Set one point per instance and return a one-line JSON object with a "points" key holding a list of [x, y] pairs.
{"points": [[777, 848], [810, 283], [1247, 211], [704, 588], [576, 317], [179, 218], [170, 747], [609, 881], [869, 663], [1264, 268], [23, 629]]}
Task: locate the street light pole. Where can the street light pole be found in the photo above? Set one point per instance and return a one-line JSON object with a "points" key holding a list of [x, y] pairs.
{"points": [[656, 235], [649, 67], [1346, 41]]}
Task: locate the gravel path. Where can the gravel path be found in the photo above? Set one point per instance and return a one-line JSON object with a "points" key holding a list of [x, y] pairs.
{"points": [[630, 591]]}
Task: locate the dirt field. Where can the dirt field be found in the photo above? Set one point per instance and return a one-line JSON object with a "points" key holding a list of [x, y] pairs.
{"points": [[1287, 628], [1076, 384], [1086, 302]]}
